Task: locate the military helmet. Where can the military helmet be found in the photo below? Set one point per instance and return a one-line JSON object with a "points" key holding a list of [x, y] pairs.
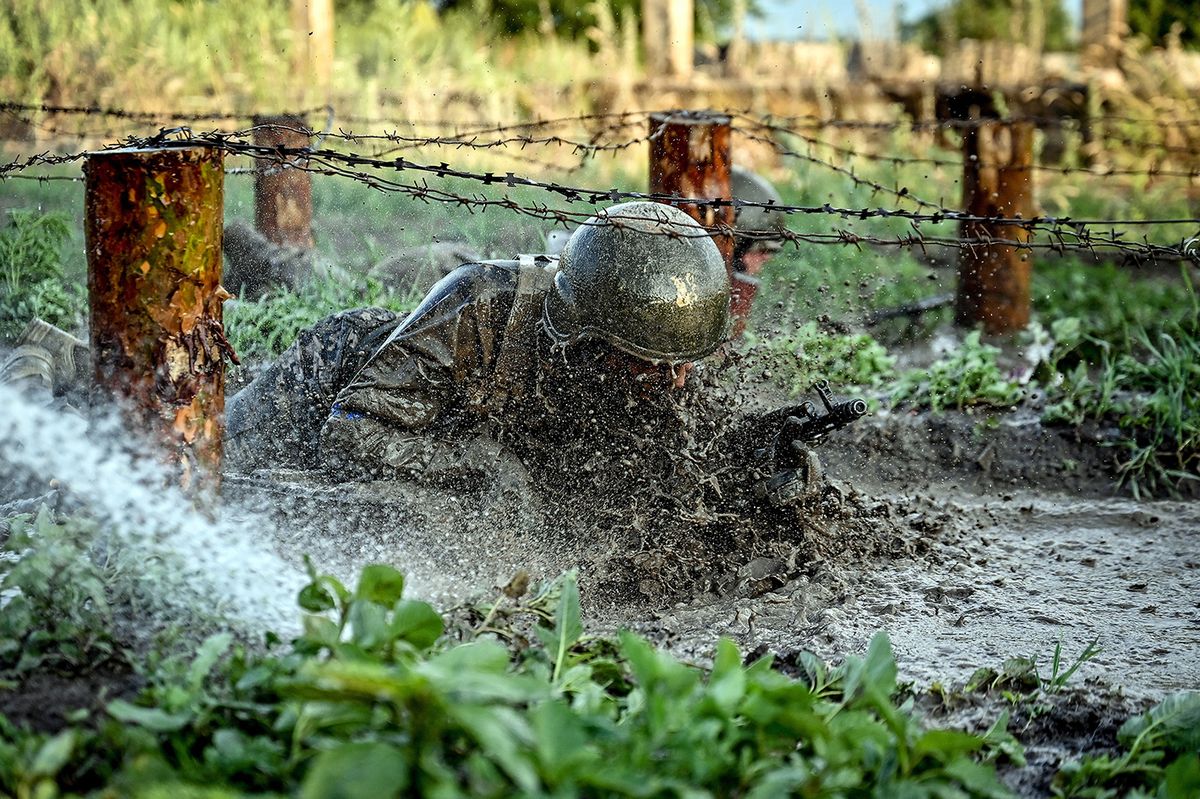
{"points": [[752, 187], [622, 278]]}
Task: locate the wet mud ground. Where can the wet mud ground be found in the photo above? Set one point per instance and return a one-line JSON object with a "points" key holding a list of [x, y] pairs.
{"points": [[963, 562], [961, 572]]}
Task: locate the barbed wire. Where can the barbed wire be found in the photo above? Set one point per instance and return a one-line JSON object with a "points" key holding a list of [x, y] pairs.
{"points": [[904, 160], [797, 122], [151, 116], [1059, 234], [900, 193]]}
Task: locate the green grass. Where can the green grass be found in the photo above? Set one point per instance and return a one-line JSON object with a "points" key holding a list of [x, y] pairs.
{"points": [[32, 276], [206, 54], [380, 696], [968, 375]]}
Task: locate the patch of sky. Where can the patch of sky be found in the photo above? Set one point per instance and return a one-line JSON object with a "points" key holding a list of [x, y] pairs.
{"points": [[822, 20]]}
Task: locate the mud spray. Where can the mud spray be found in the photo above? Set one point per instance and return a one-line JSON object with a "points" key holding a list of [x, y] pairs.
{"points": [[960, 574]]}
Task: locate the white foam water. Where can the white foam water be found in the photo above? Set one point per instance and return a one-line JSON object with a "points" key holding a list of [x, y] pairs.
{"points": [[186, 564]]}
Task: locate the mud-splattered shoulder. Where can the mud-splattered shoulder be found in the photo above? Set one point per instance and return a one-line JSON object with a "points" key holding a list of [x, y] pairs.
{"points": [[486, 283]]}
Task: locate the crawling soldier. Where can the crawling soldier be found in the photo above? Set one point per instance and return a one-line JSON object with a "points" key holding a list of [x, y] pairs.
{"points": [[533, 365]]}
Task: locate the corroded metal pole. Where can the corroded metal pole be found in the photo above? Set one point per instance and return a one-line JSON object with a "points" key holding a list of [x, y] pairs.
{"points": [[282, 193], [993, 278], [153, 233], [690, 157]]}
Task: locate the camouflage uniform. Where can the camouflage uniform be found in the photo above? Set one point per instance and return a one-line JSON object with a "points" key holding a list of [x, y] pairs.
{"points": [[369, 394]]}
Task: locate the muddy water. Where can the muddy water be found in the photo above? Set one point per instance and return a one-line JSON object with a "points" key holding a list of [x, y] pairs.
{"points": [[1005, 577], [974, 578]]}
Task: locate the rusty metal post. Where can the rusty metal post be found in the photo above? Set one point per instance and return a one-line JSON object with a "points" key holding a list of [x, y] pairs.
{"points": [[993, 279], [690, 157], [153, 221], [282, 193]]}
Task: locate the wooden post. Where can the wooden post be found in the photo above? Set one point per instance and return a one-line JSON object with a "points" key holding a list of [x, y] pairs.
{"points": [[313, 22], [153, 222], [668, 38], [681, 44], [993, 279], [689, 157], [282, 193], [1104, 27], [654, 34]]}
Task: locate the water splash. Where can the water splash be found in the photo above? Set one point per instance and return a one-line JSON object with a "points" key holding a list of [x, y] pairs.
{"points": [[182, 562]]}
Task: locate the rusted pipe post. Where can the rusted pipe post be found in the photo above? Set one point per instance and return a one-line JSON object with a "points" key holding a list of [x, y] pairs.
{"points": [[993, 279], [153, 235], [689, 157], [282, 193]]}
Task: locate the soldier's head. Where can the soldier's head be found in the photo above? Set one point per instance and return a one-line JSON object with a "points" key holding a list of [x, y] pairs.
{"points": [[643, 285], [750, 253]]}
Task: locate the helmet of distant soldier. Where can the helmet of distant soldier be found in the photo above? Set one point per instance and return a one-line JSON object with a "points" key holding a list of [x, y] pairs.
{"points": [[644, 277], [765, 223]]}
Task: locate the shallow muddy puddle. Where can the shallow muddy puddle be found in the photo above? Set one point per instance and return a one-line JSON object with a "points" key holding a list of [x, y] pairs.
{"points": [[1006, 578], [993, 577]]}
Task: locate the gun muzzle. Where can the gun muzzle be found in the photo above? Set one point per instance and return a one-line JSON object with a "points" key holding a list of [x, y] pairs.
{"points": [[850, 410]]}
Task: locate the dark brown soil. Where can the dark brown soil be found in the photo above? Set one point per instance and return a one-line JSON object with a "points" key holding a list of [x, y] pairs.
{"points": [[1052, 727], [974, 452], [44, 701]]}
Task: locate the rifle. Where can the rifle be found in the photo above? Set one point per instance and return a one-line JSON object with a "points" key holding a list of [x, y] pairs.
{"points": [[804, 423]]}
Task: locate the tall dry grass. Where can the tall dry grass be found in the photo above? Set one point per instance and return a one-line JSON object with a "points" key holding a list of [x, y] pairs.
{"points": [[196, 55]]}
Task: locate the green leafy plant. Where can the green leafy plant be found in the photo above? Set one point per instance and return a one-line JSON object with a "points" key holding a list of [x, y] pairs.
{"points": [[810, 354], [1060, 673], [968, 375], [1151, 392], [56, 614], [32, 281], [1161, 757], [378, 697]]}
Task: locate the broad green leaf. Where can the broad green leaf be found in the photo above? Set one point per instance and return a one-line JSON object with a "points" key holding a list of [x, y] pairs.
{"points": [[380, 584], [368, 624], [727, 684], [945, 744], [1182, 778], [417, 622], [357, 771], [152, 718], [999, 740], [315, 598], [504, 736], [54, 754], [206, 657], [568, 624], [1175, 721], [321, 630], [874, 675], [479, 671], [482, 656], [350, 679], [559, 735]]}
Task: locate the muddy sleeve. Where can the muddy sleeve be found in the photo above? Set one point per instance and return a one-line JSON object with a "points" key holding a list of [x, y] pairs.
{"points": [[379, 425], [407, 410], [275, 421]]}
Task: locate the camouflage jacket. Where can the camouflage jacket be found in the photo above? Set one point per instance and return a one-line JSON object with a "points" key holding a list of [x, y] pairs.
{"points": [[369, 394]]}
